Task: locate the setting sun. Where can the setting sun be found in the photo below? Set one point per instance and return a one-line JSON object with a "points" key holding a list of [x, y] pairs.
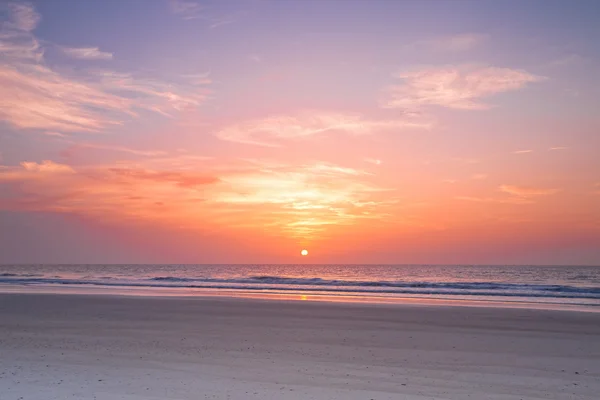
{"points": [[304, 252]]}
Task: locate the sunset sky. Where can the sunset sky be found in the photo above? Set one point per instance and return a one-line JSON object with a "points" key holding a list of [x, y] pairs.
{"points": [[159, 131]]}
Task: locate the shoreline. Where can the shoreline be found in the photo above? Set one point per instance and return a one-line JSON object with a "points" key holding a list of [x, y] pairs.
{"points": [[291, 296]]}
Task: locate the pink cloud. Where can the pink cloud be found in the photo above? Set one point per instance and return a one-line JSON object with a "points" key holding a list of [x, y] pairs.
{"points": [[524, 191], [454, 87], [295, 200], [375, 161], [522, 151], [87, 53], [180, 178], [76, 146], [510, 200], [34, 95], [271, 131]]}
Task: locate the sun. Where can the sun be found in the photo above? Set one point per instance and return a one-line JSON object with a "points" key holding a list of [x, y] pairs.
{"points": [[304, 252]]}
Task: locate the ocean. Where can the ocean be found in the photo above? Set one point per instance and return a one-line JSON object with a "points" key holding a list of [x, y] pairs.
{"points": [[576, 285]]}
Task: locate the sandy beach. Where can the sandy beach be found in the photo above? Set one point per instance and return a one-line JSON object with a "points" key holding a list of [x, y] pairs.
{"points": [[116, 347]]}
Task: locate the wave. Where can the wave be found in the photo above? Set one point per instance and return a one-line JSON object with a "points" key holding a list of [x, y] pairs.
{"points": [[277, 280], [320, 285]]}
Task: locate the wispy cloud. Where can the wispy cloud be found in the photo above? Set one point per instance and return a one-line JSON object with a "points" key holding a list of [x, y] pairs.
{"points": [[199, 79], [478, 177], [220, 22], [35, 96], [182, 179], [46, 166], [191, 10], [557, 148], [295, 200], [461, 87], [23, 17], [87, 53], [509, 200], [568, 60], [186, 9], [271, 131], [524, 191], [16, 38], [332, 169], [77, 146], [522, 151], [450, 43], [375, 161], [517, 195], [54, 133]]}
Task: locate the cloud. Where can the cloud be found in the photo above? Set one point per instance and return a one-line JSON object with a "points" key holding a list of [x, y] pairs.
{"points": [[16, 38], [568, 60], [518, 195], [524, 191], [452, 43], [155, 95], [87, 53], [190, 10], [331, 169], [181, 179], [510, 200], [522, 151], [53, 133], [36, 96], [373, 161], [305, 200], [186, 9], [46, 166], [23, 17], [199, 79], [271, 131], [456, 87], [293, 200], [30, 170], [557, 148], [122, 149], [479, 177], [220, 22]]}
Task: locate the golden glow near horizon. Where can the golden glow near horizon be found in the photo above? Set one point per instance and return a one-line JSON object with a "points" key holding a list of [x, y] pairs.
{"points": [[304, 252]]}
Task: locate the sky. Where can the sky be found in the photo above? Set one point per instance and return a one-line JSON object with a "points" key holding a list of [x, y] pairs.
{"points": [[412, 132]]}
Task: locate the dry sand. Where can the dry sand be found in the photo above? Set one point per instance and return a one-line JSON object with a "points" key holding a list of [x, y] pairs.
{"points": [[111, 347]]}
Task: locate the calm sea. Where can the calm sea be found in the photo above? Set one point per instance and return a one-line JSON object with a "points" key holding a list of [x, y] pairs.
{"points": [[536, 284]]}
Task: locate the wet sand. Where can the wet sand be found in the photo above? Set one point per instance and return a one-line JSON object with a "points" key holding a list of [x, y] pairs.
{"points": [[117, 347]]}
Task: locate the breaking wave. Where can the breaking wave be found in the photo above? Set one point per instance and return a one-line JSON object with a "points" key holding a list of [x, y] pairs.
{"points": [[320, 285]]}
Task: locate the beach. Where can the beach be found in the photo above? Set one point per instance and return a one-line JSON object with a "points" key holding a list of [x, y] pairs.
{"points": [[118, 347]]}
